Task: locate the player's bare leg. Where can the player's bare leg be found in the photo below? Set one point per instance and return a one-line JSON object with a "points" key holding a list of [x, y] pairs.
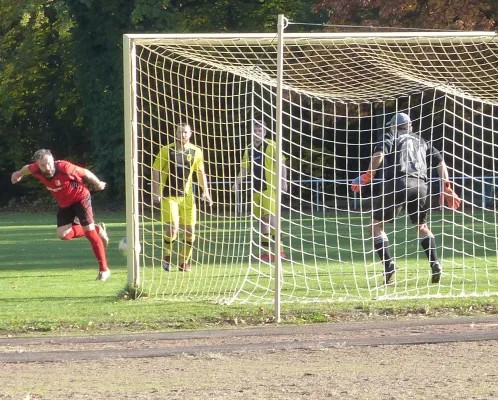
{"points": [[70, 231]]}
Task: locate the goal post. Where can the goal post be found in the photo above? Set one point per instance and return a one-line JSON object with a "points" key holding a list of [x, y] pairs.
{"points": [[324, 99], [131, 164]]}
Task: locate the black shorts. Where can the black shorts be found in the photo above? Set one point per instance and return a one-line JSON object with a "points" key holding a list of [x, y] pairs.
{"points": [[81, 209], [402, 193]]}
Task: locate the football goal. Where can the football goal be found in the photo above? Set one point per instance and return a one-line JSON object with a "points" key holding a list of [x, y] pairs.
{"points": [[325, 99]]}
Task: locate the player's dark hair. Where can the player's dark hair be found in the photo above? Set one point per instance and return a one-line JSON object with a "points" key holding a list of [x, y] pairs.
{"points": [[39, 154]]}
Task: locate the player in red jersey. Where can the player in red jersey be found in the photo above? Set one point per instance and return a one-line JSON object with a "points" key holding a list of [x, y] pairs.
{"points": [[67, 183]]}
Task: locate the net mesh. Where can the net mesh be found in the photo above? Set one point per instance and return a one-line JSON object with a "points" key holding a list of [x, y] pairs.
{"points": [[339, 93]]}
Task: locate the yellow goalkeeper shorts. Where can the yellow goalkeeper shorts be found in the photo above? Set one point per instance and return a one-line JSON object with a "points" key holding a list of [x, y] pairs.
{"points": [[179, 210], [264, 203]]}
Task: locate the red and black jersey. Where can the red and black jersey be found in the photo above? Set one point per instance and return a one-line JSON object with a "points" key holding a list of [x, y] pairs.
{"points": [[66, 185]]}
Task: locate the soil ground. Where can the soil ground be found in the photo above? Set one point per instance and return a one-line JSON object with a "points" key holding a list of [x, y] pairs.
{"points": [[415, 359]]}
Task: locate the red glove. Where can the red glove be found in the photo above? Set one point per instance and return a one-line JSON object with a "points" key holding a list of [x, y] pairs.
{"points": [[362, 180], [450, 197]]}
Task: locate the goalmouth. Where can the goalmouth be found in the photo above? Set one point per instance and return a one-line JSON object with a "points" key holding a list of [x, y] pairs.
{"points": [[325, 99]]}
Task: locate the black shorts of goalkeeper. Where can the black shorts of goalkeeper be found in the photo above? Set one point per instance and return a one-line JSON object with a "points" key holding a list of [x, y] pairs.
{"points": [[406, 193]]}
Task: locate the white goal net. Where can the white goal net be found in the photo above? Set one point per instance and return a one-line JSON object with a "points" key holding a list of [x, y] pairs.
{"points": [[338, 91]]}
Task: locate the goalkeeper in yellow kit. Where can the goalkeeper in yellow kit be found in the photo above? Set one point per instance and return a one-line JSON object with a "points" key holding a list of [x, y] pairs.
{"points": [[260, 162], [172, 173], [405, 156]]}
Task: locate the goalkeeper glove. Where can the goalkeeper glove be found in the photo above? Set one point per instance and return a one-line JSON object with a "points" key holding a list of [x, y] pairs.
{"points": [[362, 180], [449, 196]]}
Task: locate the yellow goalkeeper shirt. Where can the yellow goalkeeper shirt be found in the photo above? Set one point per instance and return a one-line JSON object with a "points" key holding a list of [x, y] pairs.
{"points": [[262, 163], [176, 167]]}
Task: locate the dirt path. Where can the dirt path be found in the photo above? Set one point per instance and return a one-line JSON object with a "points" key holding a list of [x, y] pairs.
{"points": [[416, 359]]}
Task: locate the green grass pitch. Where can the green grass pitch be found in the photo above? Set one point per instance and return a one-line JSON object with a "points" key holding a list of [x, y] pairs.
{"points": [[48, 285]]}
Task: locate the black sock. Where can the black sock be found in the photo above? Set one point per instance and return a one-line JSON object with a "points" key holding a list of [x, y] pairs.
{"points": [[381, 244], [428, 243]]}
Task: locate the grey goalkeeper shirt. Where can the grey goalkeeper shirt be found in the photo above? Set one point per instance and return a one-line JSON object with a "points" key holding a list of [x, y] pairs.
{"points": [[407, 154]]}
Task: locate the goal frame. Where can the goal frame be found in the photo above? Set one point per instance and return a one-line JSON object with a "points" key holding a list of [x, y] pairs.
{"points": [[130, 114]]}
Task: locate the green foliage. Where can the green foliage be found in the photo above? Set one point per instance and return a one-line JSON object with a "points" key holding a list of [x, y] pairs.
{"points": [[217, 16], [61, 71], [37, 97], [61, 83], [421, 14]]}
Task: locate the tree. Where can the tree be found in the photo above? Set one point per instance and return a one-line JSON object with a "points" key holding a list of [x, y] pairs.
{"points": [[61, 71], [219, 15], [38, 101], [422, 14]]}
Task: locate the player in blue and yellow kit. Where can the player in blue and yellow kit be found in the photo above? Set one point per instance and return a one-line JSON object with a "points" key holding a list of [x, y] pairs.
{"points": [[260, 162], [172, 173]]}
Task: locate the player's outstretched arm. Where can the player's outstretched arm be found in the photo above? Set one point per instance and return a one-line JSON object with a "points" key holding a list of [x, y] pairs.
{"points": [[447, 196], [18, 175], [367, 177], [96, 182], [442, 171], [362, 180]]}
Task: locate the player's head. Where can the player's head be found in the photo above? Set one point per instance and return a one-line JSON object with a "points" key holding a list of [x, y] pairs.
{"points": [[400, 122], [45, 161], [258, 132], [183, 133]]}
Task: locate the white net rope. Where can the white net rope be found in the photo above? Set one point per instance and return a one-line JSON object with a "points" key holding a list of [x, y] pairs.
{"points": [[351, 70], [338, 95]]}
